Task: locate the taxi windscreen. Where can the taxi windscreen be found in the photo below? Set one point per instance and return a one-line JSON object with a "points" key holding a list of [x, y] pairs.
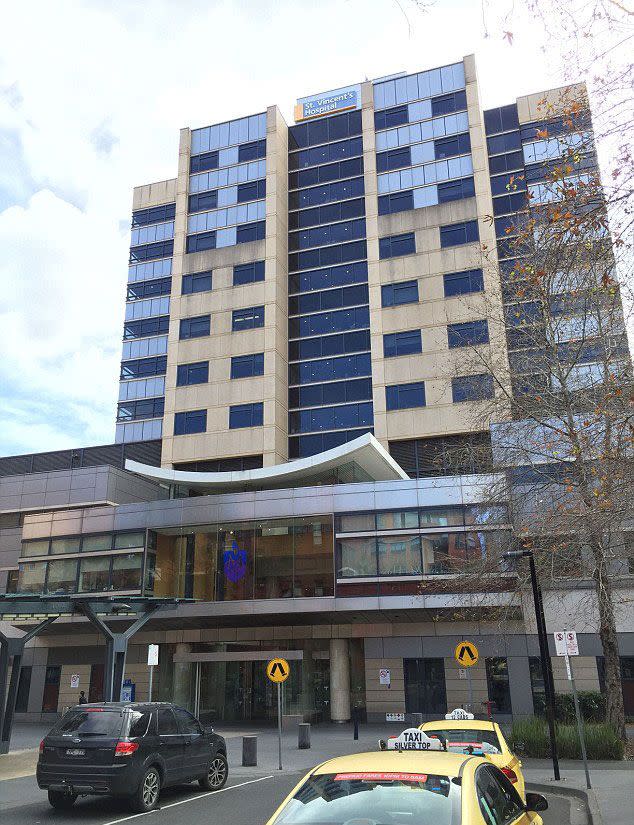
{"points": [[458, 741], [384, 798]]}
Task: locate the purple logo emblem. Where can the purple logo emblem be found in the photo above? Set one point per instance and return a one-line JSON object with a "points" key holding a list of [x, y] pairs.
{"points": [[235, 562]]}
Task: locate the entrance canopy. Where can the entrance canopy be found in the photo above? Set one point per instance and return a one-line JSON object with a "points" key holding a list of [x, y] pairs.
{"points": [[362, 459]]}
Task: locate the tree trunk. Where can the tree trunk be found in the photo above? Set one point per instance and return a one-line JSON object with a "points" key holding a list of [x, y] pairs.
{"points": [[615, 711]]}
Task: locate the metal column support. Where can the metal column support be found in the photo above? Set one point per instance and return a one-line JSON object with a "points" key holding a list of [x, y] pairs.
{"points": [[12, 643], [116, 648]]}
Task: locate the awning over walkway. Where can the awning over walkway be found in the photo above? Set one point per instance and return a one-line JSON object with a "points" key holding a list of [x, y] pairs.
{"points": [[363, 459]]}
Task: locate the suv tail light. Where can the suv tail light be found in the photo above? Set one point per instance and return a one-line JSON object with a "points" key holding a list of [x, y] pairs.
{"points": [[510, 774], [126, 748], [42, 746]]}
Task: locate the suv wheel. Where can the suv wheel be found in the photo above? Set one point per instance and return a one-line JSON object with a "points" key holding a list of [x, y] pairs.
{"points": [[217, 774], [147, 794], [61, 801]]}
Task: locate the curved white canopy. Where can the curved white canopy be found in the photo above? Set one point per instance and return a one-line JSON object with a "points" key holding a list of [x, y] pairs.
{"points": [[365, 453]]}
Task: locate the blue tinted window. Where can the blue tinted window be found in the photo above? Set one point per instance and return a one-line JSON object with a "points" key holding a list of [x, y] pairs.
{"points": [[446, 104], [195, 327], [305, 445], [355, 341], [327, 234], [396, 202], [192, 421], [395, 245], [461, 283], [249, 318], [506, 163], [405, 292], [149, 289], [330, 277], [144, 367], [328, 255], [456, 190], [251, 151], [155, 214], [509, 203], [329, 369], [455, 234], [198, 243], [197, 282], [248, 273], [149, 251], [331, 392], [503, 184], [324, 322], [251, 232], [472, 387], [246, 415], [331, 418], [197, 373], [340, 190], [405, 396], [324, 130], [387, 118], [204, 162], [325, 153], [146, 326], [246, 366], [402, 343], [251, 191], [327, 214], [330, 299], [448, 147], [143, 408], [393, 159], [504, 143], [323, 174], [206, 200], [501, 119], [468, 334]]}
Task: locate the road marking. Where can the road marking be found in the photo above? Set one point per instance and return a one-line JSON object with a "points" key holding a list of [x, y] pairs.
{"points": [[189, 799]]}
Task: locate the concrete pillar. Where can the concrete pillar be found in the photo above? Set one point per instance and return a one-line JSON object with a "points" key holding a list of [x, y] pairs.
{"points": [[182, 688], [520, 686], [339, 680]]}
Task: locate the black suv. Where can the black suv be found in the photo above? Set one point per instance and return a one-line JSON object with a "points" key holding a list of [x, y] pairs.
{"points": [[128, 749]]}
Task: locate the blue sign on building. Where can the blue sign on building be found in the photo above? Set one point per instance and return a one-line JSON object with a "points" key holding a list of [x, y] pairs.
{"points": [[328, 103]]}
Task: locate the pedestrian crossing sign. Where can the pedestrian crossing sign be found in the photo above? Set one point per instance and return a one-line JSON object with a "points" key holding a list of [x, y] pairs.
{"points": [[278, 670], [466, 654]]}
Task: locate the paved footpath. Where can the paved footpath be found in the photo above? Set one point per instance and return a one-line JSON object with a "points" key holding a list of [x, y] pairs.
{"points": [[253, 793]]}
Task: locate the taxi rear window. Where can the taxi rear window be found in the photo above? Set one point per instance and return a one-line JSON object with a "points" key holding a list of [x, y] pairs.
{"points": [[458, 741], [384, 797]]}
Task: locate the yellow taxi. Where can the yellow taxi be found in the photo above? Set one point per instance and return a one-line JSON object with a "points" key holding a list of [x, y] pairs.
{"points": [[414, 781], [462, 733]]}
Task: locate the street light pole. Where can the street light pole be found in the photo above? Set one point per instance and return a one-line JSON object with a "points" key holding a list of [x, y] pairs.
{"points": [[547, 672]]}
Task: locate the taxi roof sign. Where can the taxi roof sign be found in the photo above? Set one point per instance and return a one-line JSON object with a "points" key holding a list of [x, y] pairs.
{"points": [[459, 714], [413, 739]]}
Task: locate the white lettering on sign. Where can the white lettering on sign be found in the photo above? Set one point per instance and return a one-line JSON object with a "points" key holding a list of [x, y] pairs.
{"points": [[460, 714], [413, 739], [394, 717]]}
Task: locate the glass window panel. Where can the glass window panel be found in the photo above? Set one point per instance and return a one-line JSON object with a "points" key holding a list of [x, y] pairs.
{"points": [[356, 557], [62, 575], [35, 548], [436, 552], [441, 517], [91, 544], [64, 546], [31, 577], [313, 552], [483, 514], [94, 575], [274, 560], [403, 520], [399, 556], [123, 540], [355, 522], [236, 550], [126, 571]]}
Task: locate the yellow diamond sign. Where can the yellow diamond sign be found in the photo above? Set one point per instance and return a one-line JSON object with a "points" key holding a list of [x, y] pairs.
{"points": [[466, 654], [278, 670]]}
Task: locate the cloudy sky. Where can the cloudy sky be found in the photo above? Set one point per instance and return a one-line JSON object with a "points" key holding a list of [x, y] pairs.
{"points": [[92, 95]]}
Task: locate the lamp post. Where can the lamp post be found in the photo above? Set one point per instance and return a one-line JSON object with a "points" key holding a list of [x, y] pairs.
{"points": [[547, 672]]}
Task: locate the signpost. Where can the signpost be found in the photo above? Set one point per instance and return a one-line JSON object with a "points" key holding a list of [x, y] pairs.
{"points": [[466, 654], [152, 660], [278, 671], [566, 645]]}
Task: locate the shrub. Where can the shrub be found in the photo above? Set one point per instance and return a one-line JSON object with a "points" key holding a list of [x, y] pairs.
{"points": [[529, 737], [591, 705]]}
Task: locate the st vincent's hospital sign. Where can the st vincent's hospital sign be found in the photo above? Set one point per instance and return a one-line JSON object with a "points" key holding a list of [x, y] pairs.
{"points": [[328, 103]]}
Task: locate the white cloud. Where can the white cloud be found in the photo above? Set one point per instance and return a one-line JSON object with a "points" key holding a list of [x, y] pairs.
{"points": [[92, 95]]}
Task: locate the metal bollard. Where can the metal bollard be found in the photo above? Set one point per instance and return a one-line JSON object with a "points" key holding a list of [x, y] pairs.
{"points": [[249, 751], [303, 736], [355, 722]]}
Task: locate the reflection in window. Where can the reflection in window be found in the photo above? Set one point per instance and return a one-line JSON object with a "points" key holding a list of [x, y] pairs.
{"points": [[355, 522], [93, 544], [403, 520], [441, 517], [94, 575], [123, 540], [31, 577], [357, 557], [274, 561], [399, 556], [126, 571], [35, 548], [61, 576], [59, 546]]}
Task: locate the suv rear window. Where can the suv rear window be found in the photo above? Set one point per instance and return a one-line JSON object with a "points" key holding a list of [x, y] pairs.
{"points": [[93, 722]]}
